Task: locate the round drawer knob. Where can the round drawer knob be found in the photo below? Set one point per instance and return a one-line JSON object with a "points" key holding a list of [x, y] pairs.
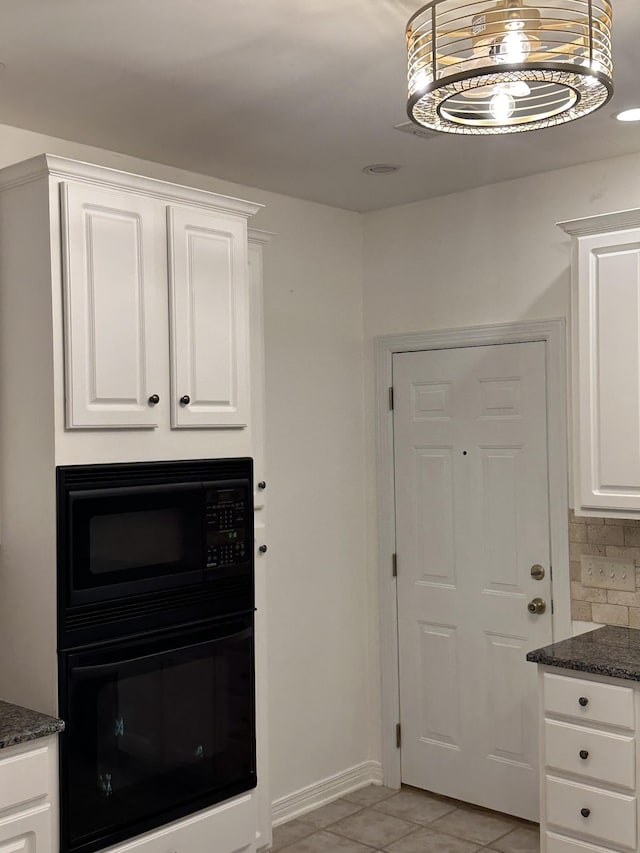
{"points": [[263, 549], [184, 401], [584, 754], [262, 485], [154, 399], [583, 701], [585, 812]]}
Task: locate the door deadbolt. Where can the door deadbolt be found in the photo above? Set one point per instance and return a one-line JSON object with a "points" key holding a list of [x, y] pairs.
{"points": [[537, 572], [537, 606]]}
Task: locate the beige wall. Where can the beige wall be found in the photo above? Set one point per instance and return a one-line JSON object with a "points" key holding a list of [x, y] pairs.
{"points": [[319, 681]]}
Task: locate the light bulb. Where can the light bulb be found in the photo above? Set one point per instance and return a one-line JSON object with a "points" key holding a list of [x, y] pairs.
{"points": [[519, 89], [502, 106], [594, 65], [512, 48], [421, 79]]}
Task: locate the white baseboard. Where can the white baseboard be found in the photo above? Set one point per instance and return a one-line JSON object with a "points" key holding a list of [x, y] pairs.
{"points": [[323, 792]]}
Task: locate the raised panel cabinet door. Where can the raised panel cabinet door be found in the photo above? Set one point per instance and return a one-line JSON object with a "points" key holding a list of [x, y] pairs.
{"points": [[28, 831], [607, 371], [209, 318], [115, 295]]}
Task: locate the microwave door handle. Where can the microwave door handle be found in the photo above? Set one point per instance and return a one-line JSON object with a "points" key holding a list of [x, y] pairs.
{"points": [[117, 491], [113, 666]]}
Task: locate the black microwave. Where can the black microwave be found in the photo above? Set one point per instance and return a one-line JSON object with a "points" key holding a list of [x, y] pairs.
{"points": [[135, 535]]}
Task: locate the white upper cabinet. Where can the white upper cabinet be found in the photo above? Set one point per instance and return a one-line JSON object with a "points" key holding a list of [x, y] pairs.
{"points": [[209, 319], [115, 303], [606, 364], [156, 306]]}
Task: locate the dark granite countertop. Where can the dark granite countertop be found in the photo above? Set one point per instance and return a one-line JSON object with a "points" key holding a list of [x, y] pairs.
{"points": [[18, 725], [608, 651]]}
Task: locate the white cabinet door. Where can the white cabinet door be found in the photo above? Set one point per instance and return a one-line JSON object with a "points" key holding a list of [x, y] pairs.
{"points": [[606, 354], [28, 831], [114, 252], [208, 282]]}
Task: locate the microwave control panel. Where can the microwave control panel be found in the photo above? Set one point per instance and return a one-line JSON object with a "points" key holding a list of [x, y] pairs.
{"points": [[227, 516]]}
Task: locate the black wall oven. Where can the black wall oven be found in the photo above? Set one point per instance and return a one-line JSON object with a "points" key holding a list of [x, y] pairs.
{"points": [[156, 646]]}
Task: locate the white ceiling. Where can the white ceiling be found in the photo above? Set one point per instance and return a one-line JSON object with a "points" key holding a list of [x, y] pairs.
{"points": [[294, 96]]}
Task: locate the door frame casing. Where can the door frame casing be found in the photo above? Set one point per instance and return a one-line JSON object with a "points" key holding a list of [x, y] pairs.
{"points": [[553, 334]]}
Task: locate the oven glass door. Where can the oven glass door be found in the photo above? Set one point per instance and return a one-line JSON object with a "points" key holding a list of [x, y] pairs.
{"points": [[128, 541], [156, 728]]}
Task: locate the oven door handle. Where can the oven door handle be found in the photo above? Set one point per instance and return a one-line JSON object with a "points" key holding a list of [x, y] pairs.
{"points": [[113, 666]]}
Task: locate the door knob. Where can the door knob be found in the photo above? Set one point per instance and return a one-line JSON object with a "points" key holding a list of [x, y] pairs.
{"points": [[585, 812], [584, 754], [154, 399], [263, 549], [537, 572], [537, 606], [184, 401]]}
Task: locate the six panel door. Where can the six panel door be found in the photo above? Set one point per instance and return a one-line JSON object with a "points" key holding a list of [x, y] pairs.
{"points": [[472, 518]]}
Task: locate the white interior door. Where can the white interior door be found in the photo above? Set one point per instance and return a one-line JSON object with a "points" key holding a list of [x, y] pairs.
{"points": [[472, 517]]}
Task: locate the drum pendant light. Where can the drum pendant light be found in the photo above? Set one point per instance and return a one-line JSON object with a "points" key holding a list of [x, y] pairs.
{"points": [[500, 66]]}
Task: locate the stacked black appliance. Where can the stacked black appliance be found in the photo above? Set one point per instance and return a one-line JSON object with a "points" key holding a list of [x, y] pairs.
{"points": [[155, 644]]}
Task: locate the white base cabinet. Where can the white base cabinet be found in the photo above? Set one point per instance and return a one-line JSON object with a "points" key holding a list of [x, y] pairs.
{"points": [[28, 797], [590, 762], [605, 327]]}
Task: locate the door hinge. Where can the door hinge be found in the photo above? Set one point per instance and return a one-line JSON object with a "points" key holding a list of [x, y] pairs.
{"points": [[552, 608], [391, 398], [550, 572], [394, 565], [398, 735]]}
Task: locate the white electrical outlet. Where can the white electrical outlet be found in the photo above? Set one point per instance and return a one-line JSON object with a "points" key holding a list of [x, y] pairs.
{"points": [[609, 573]]}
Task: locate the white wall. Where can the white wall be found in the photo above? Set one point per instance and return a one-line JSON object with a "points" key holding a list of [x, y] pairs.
{"points": [[319, 683], [488, 255]]}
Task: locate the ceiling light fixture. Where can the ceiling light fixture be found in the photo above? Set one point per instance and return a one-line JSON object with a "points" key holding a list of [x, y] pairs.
{"points": [[500, 66], [629, 115]]}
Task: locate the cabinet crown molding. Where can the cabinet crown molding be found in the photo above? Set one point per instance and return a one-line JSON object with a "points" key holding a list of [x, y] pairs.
{"points": [[603, 222], [62, 167], [259, 236]]}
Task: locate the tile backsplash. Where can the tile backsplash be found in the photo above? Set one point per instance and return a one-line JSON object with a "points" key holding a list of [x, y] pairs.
{"points": [[605, 537]]}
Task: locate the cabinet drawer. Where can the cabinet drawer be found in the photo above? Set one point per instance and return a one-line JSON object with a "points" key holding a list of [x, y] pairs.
{"points": [[559, 844], [29, 831], [232, 825], [611, 816], [24, 776], [602, 756], [589, 701]]}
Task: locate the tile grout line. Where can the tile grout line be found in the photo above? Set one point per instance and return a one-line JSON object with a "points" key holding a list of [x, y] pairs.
{"points": [[414, 826], [518, 824]]}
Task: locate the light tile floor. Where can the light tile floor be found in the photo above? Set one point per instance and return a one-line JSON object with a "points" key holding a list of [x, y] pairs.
{"points": [[410, 821]]}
